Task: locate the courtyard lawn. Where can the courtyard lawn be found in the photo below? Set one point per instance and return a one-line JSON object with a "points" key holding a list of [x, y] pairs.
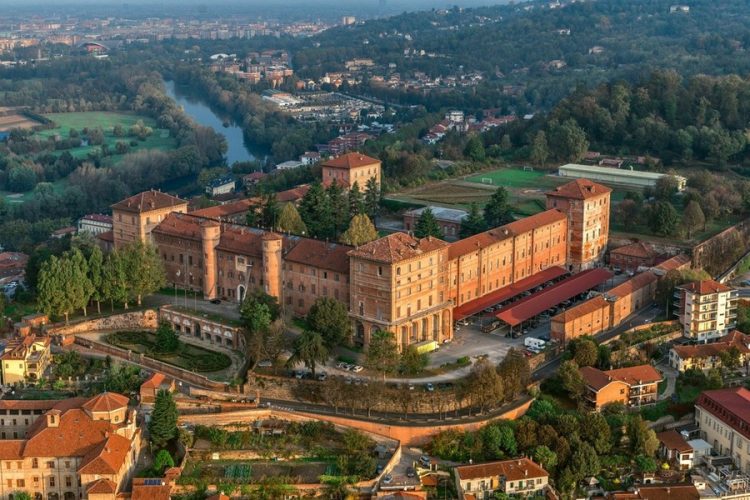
{"points": [[106, 120], [515, 178], [187, 356]]}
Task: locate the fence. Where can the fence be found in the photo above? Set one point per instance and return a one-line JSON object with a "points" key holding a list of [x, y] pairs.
{"points": [[153, 364]]}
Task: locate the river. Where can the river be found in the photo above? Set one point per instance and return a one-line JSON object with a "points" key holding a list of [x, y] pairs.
{"points": [[198, 110]]}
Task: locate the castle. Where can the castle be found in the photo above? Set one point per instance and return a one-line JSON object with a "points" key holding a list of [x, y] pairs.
{"points": [[406, 285]]}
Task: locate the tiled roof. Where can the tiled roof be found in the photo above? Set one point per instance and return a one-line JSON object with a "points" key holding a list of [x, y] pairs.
{"points": [[733, 339], [594, 378], [21, 348], [106, 236], [107, 219], [102, 487], [580, 189], [635, 283], [154, 381], [106, 401], [487, 238], [705, 287], [142, 491], [633, 375], [582, 309], [673, 440], [638, 249], [660, 492], [107, 457], [351, 160], [28, 404], [241, 206], [397, 247], [148, 200], [75, 435], [11, 449], [676, 262], [731, 406], [512, 470], [180, 225], [320, 254]]}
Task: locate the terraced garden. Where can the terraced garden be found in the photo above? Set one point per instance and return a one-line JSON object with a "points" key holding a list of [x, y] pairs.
{"points": [[187, 356]]}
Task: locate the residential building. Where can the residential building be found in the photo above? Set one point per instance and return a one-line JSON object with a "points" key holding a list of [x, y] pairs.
{"points": [[349, 168], [236, 211], [133, 218], [449, 220], [631, 257], [674, 448], [587, 206], [617, 176], [518, 477], [723, 420], [309, 157], [634, 386], [155, 383], [95, 224], [222, 185], [659, 492], [706, 309], [706, 356], [79, 448], [25, 359]]}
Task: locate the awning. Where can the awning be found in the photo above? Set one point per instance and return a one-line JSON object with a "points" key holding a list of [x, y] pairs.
{"points": [[508, 292], [539, 302]]}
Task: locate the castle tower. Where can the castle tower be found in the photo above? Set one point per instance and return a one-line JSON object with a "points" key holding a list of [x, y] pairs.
{"points": [[272, 245], [586, 203], [210, 236]]}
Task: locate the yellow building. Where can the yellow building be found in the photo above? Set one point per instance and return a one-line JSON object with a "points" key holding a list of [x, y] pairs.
{"points": [[723, 418], [519, 477], [25, 358], [133, 218]]}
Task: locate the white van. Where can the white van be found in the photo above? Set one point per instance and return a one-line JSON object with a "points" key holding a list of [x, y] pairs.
{"points": [[533, 343]]}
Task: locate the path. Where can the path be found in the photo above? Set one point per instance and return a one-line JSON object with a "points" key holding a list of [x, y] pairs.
{"points": [[670, 374]]}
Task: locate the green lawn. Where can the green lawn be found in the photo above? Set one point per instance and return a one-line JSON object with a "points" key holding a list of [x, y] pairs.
{"points": [[188, 356], [515, 178]]}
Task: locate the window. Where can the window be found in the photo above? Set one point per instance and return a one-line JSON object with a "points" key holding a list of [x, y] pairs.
{"points": [[21, 483], [68, 481], [380, 270], [34, 463], [51, 464], [52, 481]]}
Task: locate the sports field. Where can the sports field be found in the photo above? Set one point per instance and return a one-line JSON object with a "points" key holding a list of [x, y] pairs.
{"points": [[515, 178], [106, 120]]}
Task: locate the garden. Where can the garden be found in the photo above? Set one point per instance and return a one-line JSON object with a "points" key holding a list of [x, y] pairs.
{"points": [[186, 356]]}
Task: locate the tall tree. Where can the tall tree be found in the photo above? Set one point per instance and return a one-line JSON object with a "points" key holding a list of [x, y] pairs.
{"points": [[571, 379], [473, 223], [163, 425], [540, 148], [330, 317], [80, 286], [382, 352], [498, 211], [339, 210], [144, 268], [663, 218], [360, 231], [427, 225], [289, 220], [268, 212], [315, 210], [96, 270], [372, 198], [309, 349], [51, 288], [474, 149], [356, 200], [693, 217], [515, 372], [114, 277], [485, 385]]}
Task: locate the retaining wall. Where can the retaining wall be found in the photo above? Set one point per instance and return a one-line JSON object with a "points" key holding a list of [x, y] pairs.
{"points": [[135, 320]]}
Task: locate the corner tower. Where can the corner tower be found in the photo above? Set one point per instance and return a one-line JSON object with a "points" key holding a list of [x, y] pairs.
{"points": [[587, 206], [272, 246], [210, 236]]}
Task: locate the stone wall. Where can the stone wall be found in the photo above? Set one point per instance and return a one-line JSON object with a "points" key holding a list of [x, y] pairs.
{"points": [[721, 251], [135, 320]]}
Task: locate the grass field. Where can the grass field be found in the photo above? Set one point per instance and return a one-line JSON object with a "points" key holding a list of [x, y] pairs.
{"points": [[106, 120], [515, 178]]}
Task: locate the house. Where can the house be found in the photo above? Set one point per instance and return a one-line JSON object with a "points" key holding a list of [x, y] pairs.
{"points": [[133, 218], [309, 157], [659, 492], [675, 449], [449, 220], [95, 224], [707, 356], [155, 383], [222, 185], [25, 358], [706, 309], [521, 477], [152, 489], [634, 386], [253, 178], [289, 165], [631, 257], [349, 168], [61, 233], [723, 420]]}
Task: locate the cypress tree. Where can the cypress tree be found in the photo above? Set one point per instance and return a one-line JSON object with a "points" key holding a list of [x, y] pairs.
{"points": [[163, 425]]}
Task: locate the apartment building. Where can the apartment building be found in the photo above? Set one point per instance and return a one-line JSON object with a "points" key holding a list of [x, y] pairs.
{"points": [[706, 309], [520, 477], [78, 448], [634, 386], [723, 419], [25, 359], [134, 218], [707, 356]]}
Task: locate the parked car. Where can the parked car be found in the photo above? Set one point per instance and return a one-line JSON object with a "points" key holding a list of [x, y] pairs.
{"points": [[424, 461], [322, 376], [216, 301], [429, 387], [387, 479], [410, 472], [357, 368], [266, 363], [411, 387], [379, 469]]}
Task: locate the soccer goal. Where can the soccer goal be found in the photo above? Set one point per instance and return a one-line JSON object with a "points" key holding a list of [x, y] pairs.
{"points": [[527, 168], [487, 180]]}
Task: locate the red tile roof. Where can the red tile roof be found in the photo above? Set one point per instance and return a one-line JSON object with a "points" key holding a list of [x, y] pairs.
{"points": [[582, 309], [107, 457], [154, 381], [665, 492], [397, 247], [350, 160], [635, 283], [11, 449], [148, 200], [733, 339], [673, 440], [107, 219], [320, 254], [595, 378], [539, 302], [106, 401], [705, 287], [638, 249], [75, 435], [580, 189], [512, 470], [102, 487], [634, 375], [239, 207], [676, 262], [142, 491], [731, 406]]}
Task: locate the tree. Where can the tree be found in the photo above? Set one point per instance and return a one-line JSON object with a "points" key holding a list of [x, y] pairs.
{"points": [[545, 457], [96, 276], [356, 201], [361, 231], [289, 220], [473, 223], [167, 339], [259, 296], [144, 269], [730, 359], [356, 457], [515, 372], [645, 464], [498, 441], [484, 385], [372, 198], [268, 211], [382, 352], [643, 441], [595, 431], [567, 141], [162, 461], [338, 209], [330, 318], [539, 148], [114, 278], [427, 225], [475, 148], [604, 357], [163, 425], [309, 349], [583, 461], [315, 210], [585, 352], [571, 379], [666, 187], [693, 217], [80, 287], [627, 213], [21, 495], [412, 361], [663, 218], [498, 211]]}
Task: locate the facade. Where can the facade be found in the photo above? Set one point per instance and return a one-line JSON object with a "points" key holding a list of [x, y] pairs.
{"points": [[349, 168], [155, 383], [706, 309], [619, 176], [605, 311], [236, 211], [675, 449], [706, 356], [519, 477], [723, 420], [198, 327], [133, 218], [78, 448], [449, 220], [24, 359], [587, 206], [222, 185], [95, 224], [634, 386], [631, 257]]}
